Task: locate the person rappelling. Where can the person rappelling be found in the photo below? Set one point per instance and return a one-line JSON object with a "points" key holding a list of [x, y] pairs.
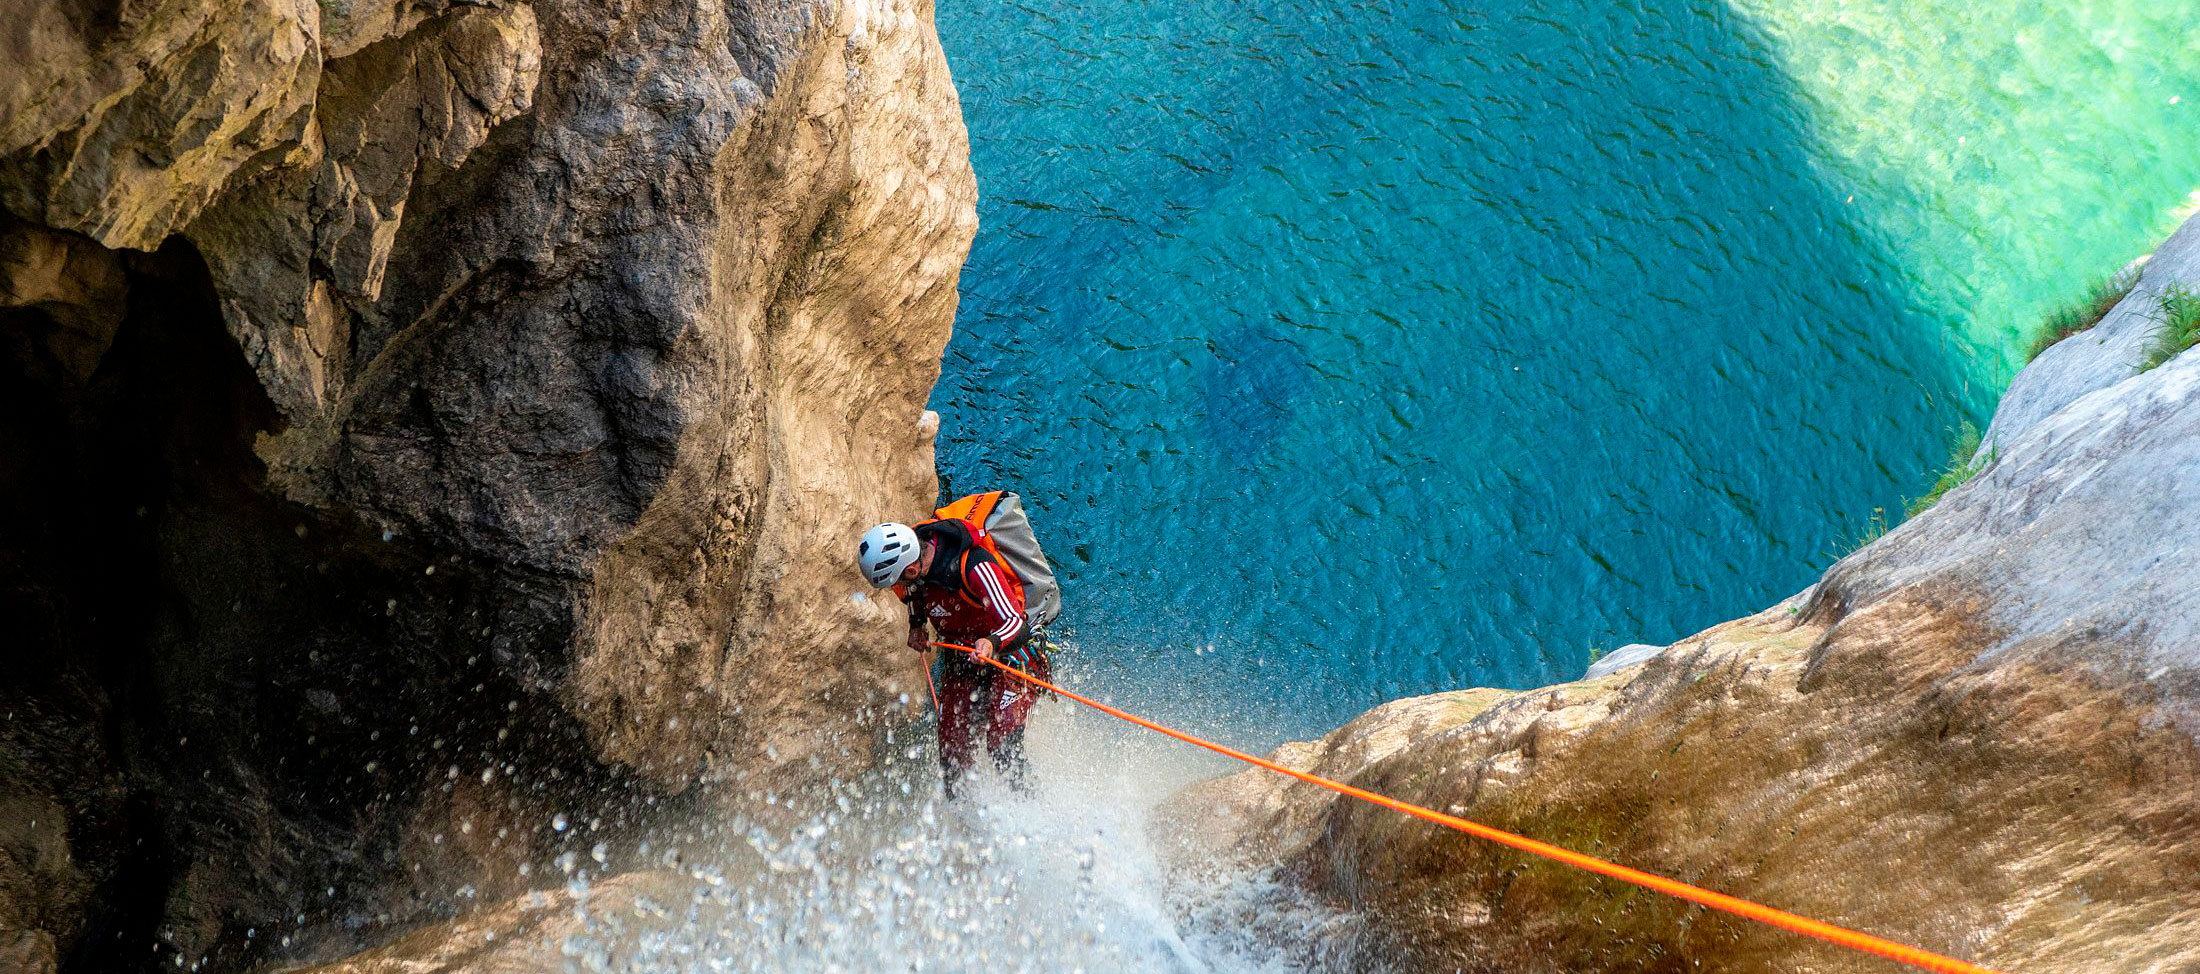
{"points": [[974, 575]]}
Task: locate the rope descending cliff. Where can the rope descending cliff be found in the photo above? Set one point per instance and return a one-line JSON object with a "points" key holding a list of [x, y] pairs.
{"points": [[1839, 936]]}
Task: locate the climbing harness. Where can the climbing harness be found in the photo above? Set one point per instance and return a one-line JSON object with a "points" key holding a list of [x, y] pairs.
{"points": [[1841, 936]]}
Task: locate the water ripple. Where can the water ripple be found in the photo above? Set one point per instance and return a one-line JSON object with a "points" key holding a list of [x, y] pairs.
{"points": [[1390, 347]]}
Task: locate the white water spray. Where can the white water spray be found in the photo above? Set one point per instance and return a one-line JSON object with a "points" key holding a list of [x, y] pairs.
{"points": [[1059, 878]]}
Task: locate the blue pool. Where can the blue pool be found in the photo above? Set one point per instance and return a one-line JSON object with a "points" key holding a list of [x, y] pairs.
{"points": [[1354, 350]]}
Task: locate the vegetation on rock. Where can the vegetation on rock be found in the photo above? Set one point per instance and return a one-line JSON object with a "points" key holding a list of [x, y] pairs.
{"points": [[1964, 462], [2180, 328], [2100, 298]]}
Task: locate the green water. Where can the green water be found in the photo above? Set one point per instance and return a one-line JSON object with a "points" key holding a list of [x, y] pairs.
{"points": [[2008, 153], [1349, 351]]}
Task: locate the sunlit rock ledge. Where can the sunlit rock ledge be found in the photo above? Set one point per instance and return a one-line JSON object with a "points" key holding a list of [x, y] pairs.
{"points": [[1976, 734]]}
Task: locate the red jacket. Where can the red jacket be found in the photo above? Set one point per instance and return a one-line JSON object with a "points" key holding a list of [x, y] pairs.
{"points": [[966, 594]]}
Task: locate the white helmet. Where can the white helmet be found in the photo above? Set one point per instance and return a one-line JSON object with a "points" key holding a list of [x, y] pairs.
{"points": [[886, 550]]}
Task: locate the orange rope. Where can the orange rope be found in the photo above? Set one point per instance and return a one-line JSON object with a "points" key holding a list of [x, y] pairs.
{"points": [[1806, 926], [929, 686]]}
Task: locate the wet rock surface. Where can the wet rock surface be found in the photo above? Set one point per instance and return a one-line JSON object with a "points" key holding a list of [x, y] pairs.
{"points": [[429, 437], [1976, 734], [527, 934]]}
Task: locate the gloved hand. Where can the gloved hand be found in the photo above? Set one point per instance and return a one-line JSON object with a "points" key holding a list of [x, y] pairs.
{"points": [[917, 641]]}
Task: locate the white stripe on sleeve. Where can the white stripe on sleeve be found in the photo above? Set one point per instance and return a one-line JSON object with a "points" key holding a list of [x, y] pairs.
{"points": [[997, 594]]}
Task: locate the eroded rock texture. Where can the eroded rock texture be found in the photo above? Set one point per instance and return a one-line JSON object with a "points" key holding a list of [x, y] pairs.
{"points": [[422, 419], [1976, 735]]}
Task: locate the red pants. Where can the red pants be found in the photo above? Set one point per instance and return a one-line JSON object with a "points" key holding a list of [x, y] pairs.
{"points": [[976, 698]]}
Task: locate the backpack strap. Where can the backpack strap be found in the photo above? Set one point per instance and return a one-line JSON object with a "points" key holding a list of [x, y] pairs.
{"points": [[980, 541], [975, 508], [962, 575]]}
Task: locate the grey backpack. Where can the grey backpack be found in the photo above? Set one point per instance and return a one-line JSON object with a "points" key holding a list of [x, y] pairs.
{"points": [[1004, 530]]}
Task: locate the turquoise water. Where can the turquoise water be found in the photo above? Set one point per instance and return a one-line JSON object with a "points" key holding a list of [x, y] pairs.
{"points": [[1353, 350]]}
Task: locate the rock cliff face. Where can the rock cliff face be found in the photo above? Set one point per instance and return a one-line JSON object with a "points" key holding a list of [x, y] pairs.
{"points": [[1976, 734], [422, 419]]}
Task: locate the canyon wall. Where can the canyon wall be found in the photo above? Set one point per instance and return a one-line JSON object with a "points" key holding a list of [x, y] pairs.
{"points": [[433, 436], [1976, 734]]}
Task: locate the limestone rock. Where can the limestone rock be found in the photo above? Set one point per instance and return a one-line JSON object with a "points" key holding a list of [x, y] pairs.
{"points": [[1620, 659], [296, 245], [2077, 539], [1248, 817], [65, 294], [421, 421], [2101, 356], [1858, 773], [121, 121]]}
